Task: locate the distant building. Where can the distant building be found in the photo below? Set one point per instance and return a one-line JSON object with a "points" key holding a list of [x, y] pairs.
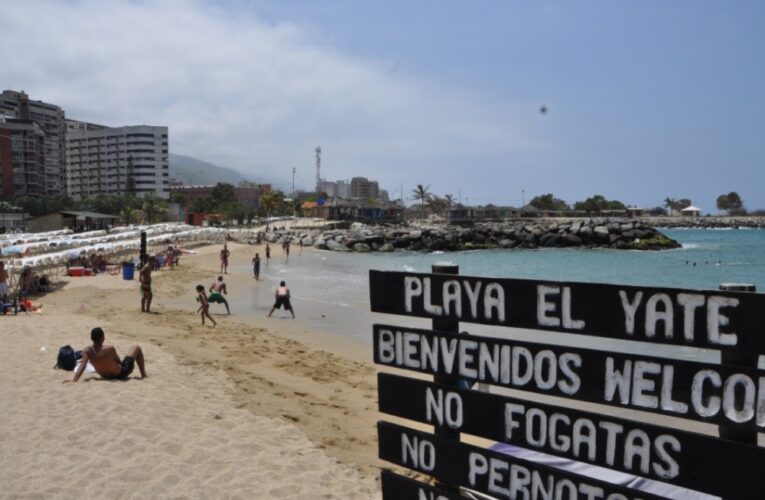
{"points": [[51, 120], [22, 159], [116, 160], [363, 188], [248, 193]]}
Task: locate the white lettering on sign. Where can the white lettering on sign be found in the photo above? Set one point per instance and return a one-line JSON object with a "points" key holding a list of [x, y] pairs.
{"points": [[445, 408], [474, 359], [660, 315], [492, 295], [429, 495], [647, 384], [587, 438], [516, 481], [546, 308], [418, 453]]}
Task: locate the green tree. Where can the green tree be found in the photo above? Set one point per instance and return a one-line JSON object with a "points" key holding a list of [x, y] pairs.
{"points": [[422, 194], [598, 203], [154, 207], [548, 202], [179, 198], [223, 193], [731, 203], [449, 201], [269, 202], [437, 204], [670, 204]]}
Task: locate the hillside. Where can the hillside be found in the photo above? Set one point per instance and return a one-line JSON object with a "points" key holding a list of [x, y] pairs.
{"points": [[191, 170]]}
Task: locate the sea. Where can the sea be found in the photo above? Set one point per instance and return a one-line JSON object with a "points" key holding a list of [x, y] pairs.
{"points": [[331, 290]]}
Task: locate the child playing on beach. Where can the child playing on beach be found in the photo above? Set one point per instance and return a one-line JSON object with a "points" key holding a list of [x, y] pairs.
{"points": [[204, 308]]}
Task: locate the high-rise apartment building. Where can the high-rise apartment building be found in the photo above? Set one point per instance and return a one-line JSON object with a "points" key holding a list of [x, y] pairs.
{"points": [[51, 120], [361, 187], [22, 158], [116, 160]]}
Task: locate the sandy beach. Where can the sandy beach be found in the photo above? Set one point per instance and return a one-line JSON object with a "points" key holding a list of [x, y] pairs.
{"points": [[265, 408]]}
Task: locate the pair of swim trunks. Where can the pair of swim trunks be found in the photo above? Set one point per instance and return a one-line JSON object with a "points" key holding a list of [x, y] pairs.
{"points": [[283, 300], [146, 287], [127, 365], [216, 297]]}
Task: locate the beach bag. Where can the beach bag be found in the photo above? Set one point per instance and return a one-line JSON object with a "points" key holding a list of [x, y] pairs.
{"points": [[66, 358]]}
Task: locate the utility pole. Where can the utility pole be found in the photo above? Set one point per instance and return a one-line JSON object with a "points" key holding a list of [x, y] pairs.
{"points": [[459, 196], [293, 191], [523, 198]]}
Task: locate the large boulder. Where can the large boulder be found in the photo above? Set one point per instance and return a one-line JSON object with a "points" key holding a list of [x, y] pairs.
{"points": [[387, 247], [361, 247], [307, 241], [600, 233], [335, 246]]}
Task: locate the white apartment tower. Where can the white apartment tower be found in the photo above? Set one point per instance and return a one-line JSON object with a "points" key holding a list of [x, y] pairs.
{"points": [[116, 160]]}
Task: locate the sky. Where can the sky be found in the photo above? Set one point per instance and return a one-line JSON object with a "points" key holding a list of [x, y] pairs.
{"points": [[645, 99]]}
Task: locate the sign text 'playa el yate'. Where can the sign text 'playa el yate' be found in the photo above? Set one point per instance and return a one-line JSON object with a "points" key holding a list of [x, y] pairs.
{"points": [[718, 320]]}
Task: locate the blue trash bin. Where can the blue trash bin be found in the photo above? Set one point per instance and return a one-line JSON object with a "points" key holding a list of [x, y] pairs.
{"points": [[128, 270]]}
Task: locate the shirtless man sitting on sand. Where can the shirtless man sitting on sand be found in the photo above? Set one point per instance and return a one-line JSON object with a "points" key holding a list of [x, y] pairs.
{"points": [[105, 360]]}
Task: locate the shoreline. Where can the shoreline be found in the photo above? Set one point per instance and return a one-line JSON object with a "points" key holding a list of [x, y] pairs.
{"points": [[313, 391]]}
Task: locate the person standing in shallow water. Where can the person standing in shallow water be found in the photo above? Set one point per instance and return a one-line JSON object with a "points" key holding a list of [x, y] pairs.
{"points": [[224, 255], [268, 252], [282, 297], [256, 266]]}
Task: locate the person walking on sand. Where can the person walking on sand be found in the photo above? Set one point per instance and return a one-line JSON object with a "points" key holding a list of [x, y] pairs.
{"points": [[216, 289], [204, 306], [268, 253], [282, 299], [287, 248], [105, 360], [224, 254], [144, 276], [256, 266]]}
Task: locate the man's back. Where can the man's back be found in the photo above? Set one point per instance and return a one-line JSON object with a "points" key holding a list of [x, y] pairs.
{"points": [[104, 360]]}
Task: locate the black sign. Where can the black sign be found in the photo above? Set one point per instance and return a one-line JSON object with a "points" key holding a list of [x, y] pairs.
{"points": [[711, 319], [489, 472], [719, 394], [647, 450], [395, 487]]}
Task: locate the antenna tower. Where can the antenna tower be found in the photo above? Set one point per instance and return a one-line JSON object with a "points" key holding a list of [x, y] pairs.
{"points": [[318, 169]]}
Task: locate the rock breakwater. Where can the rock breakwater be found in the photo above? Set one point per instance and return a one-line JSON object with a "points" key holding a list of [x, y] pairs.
{"points": [[584, 233]]}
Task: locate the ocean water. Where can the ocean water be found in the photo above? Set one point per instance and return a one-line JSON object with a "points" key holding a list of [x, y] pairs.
{"points": [[331, 290]]}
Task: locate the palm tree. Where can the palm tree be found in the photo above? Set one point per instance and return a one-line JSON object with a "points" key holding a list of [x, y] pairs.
{"points": [[670, 204], [449, 200], [269, 201], [421, 193], [154, 207]]}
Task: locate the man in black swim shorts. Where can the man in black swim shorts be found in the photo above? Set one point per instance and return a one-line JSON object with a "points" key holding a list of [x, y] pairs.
{"points": [[105, 360], [282, 300]]}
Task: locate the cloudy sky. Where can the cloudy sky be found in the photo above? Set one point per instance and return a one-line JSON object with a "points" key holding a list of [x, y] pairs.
{"points": [[646, 100]]}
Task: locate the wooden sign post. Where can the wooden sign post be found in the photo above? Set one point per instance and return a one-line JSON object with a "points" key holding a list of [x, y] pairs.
{"points": [[730, 395]]}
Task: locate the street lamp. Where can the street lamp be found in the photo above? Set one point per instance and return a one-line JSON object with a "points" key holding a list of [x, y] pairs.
{"points": [[293, 191]]}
